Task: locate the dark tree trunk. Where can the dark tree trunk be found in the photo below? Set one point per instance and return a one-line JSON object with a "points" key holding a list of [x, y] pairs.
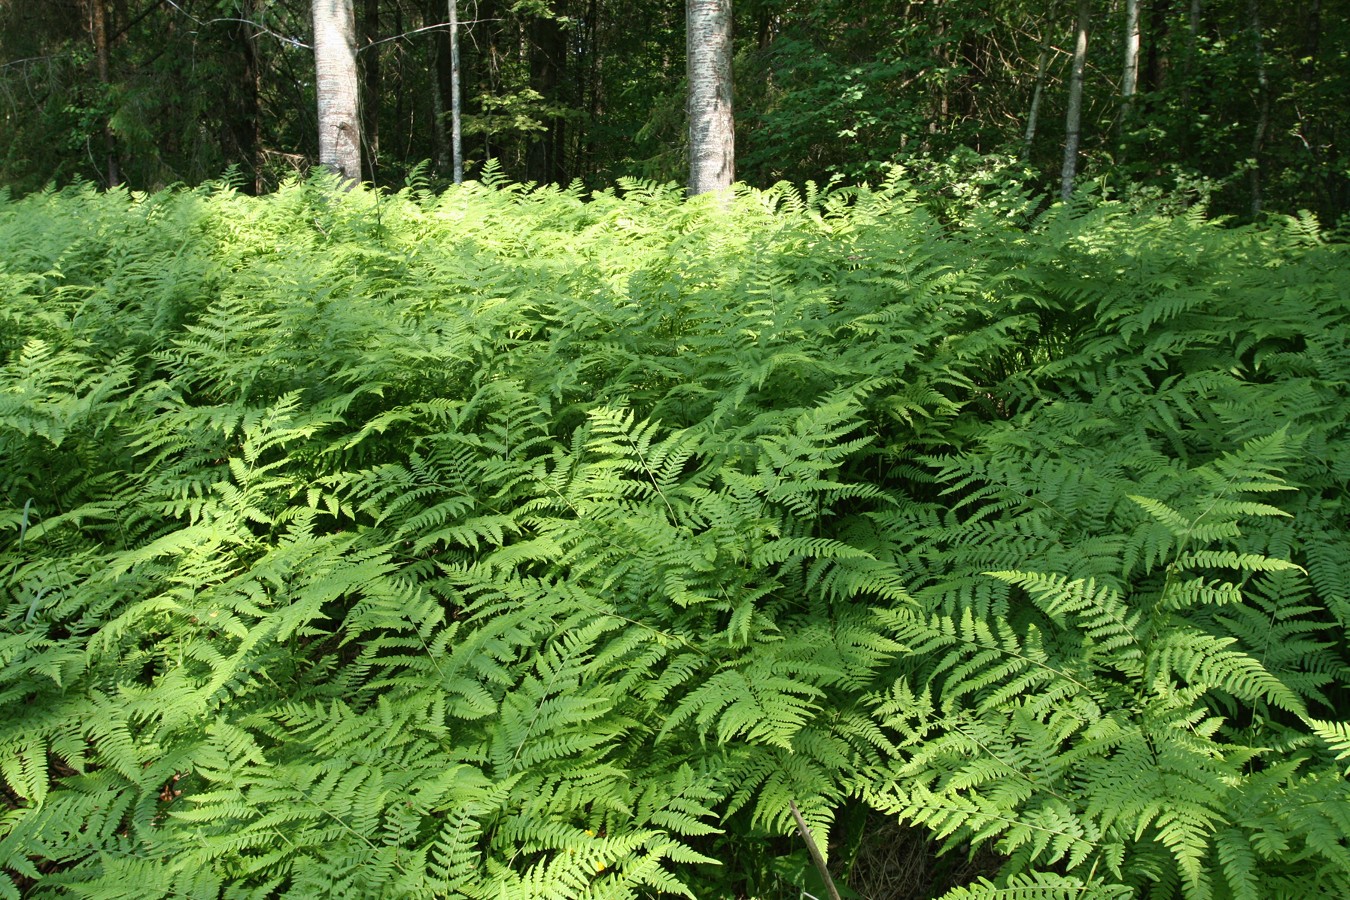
{"points": [[1192, 51], [370, 83], [1038, 91], [98, 19], [1262, 107], [1312, 41], [1155, 56], [544, 160], [434, 14], [245, 122], [590, 62]]}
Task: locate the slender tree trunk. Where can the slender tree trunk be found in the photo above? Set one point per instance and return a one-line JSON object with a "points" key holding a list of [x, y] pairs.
{"points": [[1313, 133], [370, 83], [971, 60], [405, 108], [246, 121], [1262, 107], [1313, 39], [1129, 79], [1042, 64], [1154, 76], [712, 137], [941, 50], [456, 105], [1192, 52], [440, 52], [440, 84], [99, 27], [591, 64], [548, 54], [337, 88], [1073, 120]]}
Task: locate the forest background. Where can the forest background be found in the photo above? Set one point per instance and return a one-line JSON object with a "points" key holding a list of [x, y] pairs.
{"points": [[1240, 101]]}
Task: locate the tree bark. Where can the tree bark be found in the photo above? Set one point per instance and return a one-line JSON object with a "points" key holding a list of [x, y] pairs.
{"points": [[440, 85], [1042, 63], [456, 102], [544, 161], [1129, 79], [245, 119], [440, 140], [1192, 52], [1073, 120], [99, 27], [370, 83], [337, 88], [1312, 40], [712, 136], [590, 64], [1262, 108], [1156, 60]]}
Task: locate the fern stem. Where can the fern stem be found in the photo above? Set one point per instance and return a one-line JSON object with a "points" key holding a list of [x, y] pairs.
{"points": [[814, 849]]}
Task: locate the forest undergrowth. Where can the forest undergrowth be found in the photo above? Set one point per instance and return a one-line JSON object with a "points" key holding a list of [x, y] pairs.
{"points": [[515, 543]]}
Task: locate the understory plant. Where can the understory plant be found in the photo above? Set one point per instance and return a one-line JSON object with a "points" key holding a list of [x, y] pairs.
{"points": [[518, 543]]}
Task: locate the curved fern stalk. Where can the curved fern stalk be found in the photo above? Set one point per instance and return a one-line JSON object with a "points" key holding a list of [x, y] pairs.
{"points": [[816, 856]]}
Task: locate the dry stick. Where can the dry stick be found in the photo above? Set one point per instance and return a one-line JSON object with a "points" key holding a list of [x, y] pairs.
{"points": [[814, 849]]}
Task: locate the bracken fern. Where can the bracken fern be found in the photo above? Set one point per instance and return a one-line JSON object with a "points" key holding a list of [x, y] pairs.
{"points": [[515, 543]]}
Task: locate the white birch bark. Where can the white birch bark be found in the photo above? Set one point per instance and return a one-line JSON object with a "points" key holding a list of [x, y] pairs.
{"points": [[1073, 120], [712, 138], [337, 88], [1129, 79], [456, 108]]}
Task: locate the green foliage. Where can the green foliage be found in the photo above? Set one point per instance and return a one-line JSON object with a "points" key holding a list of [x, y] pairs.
{"points": [[515, 543]]}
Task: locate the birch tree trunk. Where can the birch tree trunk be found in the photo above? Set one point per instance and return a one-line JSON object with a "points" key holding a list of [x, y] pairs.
{"points": [[1129, 79], [1073, 120], [337, 87], [456, 106], [712, 136]]}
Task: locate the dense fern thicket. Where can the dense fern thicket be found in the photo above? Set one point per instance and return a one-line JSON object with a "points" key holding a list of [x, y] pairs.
{"points": [[512, 543]]}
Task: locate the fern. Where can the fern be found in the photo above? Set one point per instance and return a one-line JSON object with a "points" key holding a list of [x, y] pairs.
{"points": [[515, 543]]}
